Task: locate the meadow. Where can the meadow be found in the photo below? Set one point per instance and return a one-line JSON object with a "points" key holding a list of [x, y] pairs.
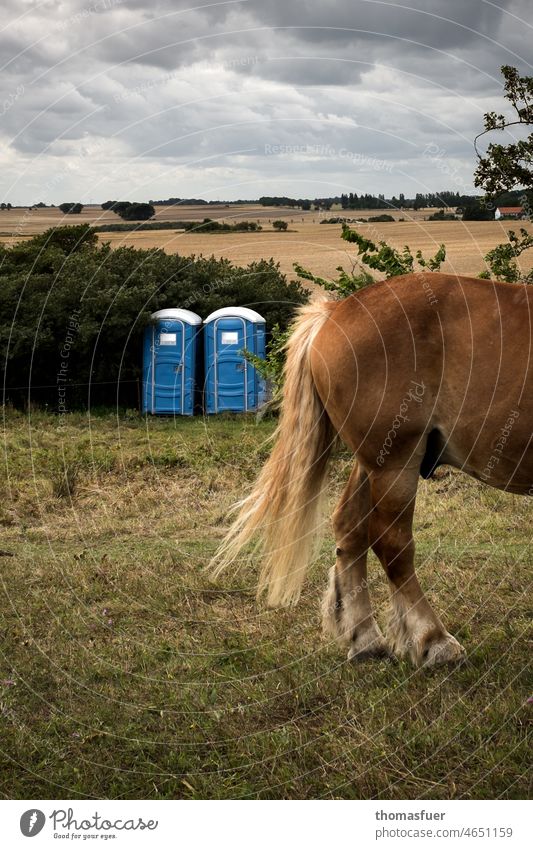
{"points": [[128, 673]]}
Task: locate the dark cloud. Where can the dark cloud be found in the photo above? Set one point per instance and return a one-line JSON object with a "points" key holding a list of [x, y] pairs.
{"points": [[200, 95]]}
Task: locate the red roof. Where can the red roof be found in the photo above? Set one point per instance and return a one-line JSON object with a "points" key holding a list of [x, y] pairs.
{"points": [[508, 210]]}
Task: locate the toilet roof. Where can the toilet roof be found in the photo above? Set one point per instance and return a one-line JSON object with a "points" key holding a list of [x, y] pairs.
{"points": [[240, 312], [177, 314]]}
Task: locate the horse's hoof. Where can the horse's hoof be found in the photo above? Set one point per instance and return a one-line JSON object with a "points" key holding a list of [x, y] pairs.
{"points": [[441, 651]]}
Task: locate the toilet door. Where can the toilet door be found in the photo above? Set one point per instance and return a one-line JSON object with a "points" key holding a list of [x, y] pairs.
{"points": [[231, 370], [169, 368]]}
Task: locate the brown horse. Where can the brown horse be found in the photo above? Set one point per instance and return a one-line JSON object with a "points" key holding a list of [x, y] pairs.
{"points": [[410, 373]]}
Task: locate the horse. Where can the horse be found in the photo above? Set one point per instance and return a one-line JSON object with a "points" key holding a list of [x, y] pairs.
{"points": [[410, 373]]}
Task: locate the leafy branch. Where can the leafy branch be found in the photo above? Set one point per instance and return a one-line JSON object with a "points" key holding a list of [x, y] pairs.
{"points": [[502, 260], [271, 368], [504, 167], [388, 260]]}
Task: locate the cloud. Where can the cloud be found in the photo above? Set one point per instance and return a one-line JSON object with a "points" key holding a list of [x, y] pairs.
{"points": [[186, 98]]}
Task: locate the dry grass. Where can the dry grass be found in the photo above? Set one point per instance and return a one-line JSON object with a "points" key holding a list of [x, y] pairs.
{"points": [[127, 673], [313, 245], [319, 247]]}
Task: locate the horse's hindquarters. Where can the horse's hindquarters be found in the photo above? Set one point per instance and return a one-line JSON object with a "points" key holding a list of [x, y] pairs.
{"points": [[412, 382]]}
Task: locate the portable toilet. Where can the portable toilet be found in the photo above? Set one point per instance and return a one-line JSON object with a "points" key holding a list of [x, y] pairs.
{"points": [[169, 362], [231, 382]]}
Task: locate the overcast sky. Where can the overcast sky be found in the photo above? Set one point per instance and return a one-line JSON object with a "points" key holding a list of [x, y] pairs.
{"points": [[135, 99]]}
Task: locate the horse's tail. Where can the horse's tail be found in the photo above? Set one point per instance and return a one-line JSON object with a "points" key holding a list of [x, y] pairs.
{"points": [[282, 513]]}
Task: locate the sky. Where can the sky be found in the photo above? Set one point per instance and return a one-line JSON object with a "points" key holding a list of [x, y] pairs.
{"points": [[132, 100]]}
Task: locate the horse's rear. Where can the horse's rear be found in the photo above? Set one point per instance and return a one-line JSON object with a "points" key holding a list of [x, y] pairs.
{"points": [[411, 373], [432, 368]]}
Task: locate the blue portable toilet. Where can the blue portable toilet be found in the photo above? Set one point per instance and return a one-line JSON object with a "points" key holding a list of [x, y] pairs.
{"points": [[169, 362], [231, 382]]}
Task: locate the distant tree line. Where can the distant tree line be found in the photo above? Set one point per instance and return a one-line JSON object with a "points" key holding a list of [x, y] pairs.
{"points": [[300, 203], [195, 202], [180, 201], [351, 200], [471, 207]]}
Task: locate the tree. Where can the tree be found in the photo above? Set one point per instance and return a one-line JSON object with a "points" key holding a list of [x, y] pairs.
{"points": [[130, 211], [279, 225], [480, 211], [71, 208], [135, 211], [117, 206], [506, 166]]}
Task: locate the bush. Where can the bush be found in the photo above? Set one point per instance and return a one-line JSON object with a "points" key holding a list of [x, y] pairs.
{"points": [[280, 225], [271, 368], [73, 309], [209, 225], [337, 219], [442, 216], [68, 239], [71, 208], [136, 227]]}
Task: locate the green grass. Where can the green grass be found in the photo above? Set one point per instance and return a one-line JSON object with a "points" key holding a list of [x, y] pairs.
{"points": [[127, 673]]}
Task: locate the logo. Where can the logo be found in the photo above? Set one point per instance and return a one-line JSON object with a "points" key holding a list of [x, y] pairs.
{"points": [[32, 822]]}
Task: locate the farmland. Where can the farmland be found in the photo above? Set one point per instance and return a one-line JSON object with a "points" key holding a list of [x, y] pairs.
{"points": [[127, 673], [316, 246]]}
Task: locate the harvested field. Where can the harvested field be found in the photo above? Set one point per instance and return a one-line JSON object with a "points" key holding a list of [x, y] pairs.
{"points": [[320, 248], [314, 245]]}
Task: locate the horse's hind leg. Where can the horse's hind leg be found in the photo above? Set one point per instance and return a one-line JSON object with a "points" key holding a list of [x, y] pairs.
{"points": [[414, 629], [347, 612]]}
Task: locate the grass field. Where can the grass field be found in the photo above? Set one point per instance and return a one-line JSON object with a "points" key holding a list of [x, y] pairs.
{"points": [[312, 244], [126, 673]]}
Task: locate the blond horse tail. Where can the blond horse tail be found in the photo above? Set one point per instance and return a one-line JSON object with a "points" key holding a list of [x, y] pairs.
{"points": [[282, 513]]}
